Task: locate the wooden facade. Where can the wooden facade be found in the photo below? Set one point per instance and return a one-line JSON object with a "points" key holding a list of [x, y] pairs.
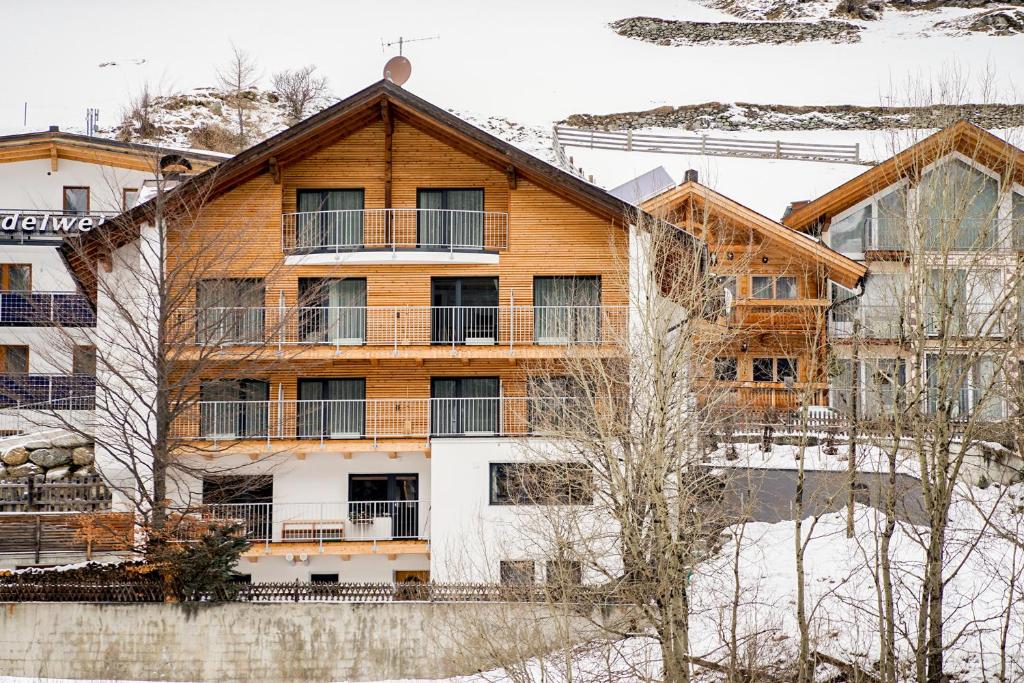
{"points": [[762, 326]]}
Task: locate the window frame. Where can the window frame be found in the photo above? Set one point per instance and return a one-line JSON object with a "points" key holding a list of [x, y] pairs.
{"points": [[869, 241], [521, 497], [5, 349], [5, 276], [124, 196], [724, 361], [774, 287], [64, 199], [776, 377]]}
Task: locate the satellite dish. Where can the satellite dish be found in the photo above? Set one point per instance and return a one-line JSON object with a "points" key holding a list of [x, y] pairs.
{"points": [[397, 70]]}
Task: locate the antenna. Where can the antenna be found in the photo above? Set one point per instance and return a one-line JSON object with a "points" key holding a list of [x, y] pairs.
{"points": [[402, 41], [92, 119]]}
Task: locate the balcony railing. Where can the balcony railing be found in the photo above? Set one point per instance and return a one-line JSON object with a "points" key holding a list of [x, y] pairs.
{"points": [[25, 309], [376, 229], [896, 321], [66, 392], [379, 520], [333, 420], [405, 325]]}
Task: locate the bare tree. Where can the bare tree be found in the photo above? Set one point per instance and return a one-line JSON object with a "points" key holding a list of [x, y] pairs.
{"points": [[302, 91], [237, 78], [138, 118]]}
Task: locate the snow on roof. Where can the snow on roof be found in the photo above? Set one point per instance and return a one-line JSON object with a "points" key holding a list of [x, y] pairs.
{"points": [[644, 186]]}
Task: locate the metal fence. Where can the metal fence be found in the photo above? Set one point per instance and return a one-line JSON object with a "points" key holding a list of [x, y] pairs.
{"points": [[322, 420], [396, 326], [432, 229], [27, 309], [632, 141]]}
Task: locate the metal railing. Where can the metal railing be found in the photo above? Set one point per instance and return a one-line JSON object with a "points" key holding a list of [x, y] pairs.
{"points": [[930, 234], [378, 520], [365, 229], [898, 321], [404, 325], [24, 309], [333, 420], [76, 392]]}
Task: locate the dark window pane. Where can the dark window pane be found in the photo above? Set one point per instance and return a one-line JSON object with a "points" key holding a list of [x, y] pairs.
{"points": [[786, 367], [725, 369], [323, 578], [764, 370]]}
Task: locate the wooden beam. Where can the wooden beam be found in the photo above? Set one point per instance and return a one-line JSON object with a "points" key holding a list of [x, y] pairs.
{"points": [[53, 158], [389, 130], [510, 173], [275, 170]]}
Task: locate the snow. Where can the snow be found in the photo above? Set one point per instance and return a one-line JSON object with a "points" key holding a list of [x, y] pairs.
{"points": [[785, 457]]}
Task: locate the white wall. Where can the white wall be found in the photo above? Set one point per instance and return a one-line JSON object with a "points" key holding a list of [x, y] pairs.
{"points": [[32, 185]]}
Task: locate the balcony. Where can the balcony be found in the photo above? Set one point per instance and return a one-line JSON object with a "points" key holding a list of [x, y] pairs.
{"points": [[897, 321], [394, 326], [320, 523], [378, 235], [365, 419], [60, 392], [39, 309]]}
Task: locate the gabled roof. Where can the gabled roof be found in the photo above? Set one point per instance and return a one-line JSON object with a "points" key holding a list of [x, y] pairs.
{"points": [[365, 107], [643, 187], [55, 144], [841, 269], [963, 136]]}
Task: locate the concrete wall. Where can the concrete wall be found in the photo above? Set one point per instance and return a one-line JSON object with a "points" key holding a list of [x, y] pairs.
{"points": [[264, 642]]}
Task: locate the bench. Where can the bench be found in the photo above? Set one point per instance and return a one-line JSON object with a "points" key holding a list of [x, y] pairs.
{"points": [[313, 530]]}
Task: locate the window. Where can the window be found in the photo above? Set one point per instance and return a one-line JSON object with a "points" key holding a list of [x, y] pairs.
{"points": [[76, 200], [14, 359], [129, 196], [393, 497], [323, 578], [517, 572], [1017, 218], [461, 406], [450, 218], [252, 493], [331, 408], [963, 386], [879, 224], [960, 302], [847, 234], [236, 408], [958, 207], [840, 394], [884, 382], [722, 295], [332, 310], [83, 360], [464, 310], [548, 483], [331, 219], [15, 277], [725, 369], [566, 309], [774, 369], [772, 287], [563, 572], [230, 311], [547, 399]]}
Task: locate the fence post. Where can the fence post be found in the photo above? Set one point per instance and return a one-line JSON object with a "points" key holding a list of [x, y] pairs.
{"points": [[778, 149]]}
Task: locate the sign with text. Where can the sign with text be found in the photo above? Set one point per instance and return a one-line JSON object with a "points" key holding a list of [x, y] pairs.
{"points": [[46, 225]]}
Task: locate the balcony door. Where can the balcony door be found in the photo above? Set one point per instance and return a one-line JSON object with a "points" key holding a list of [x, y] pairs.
{"points": [[395, 496], [465, 406], [333, 311], [230, 311], [450, 218], [464, 310], [234, 409], [249, 498], [329, 219], [332, 408], [567, 309]]}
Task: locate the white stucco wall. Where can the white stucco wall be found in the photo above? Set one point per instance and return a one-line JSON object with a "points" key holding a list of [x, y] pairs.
{"points": [[32, 185]]}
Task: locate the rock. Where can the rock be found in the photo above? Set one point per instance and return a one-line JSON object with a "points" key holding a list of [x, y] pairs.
{"points": [[57, 473], [22, 471], [15, 456], [83, 455], [674, 33], [3, 472], [36, 445], [71, 441], [84, 471], [50, 457]]}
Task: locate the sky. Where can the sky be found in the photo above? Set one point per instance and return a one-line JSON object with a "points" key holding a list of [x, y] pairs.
{"points": [[533, 61]]}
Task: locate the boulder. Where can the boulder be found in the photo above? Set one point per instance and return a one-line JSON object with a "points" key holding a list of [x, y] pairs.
{"points": [[83, 455], [21, 471], [57, 473], [36, 445], [83, 471], [3, 472], [71, 441], [50, 457], [15, 456]]}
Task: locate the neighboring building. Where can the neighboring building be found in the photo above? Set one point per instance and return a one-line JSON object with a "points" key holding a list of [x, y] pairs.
{"points": [[428, 266], [948, 209], [54, 184], [772, 314]]}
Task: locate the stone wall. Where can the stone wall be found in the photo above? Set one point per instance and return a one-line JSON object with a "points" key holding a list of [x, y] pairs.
{"points": [[58, 457], [264, 642]]}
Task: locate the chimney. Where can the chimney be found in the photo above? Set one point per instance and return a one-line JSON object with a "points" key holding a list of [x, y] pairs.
{"points": [[54, 129], [690, 176]]}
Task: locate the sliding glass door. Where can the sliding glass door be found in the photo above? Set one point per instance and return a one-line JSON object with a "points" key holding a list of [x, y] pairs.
{"points": [[230, 311], [333, 310], [450, 218], [373, 496], [464, 310], [331, 408], [234, 409], [464, 406], [329, 219], [566, 309]]}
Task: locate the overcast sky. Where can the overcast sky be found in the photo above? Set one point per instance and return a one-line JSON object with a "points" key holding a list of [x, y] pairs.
{"points": [[530, 60]]}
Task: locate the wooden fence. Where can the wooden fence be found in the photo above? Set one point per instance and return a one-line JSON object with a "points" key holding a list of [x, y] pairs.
{"points": [[35, 494], [631, 141], [64, 533]]}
